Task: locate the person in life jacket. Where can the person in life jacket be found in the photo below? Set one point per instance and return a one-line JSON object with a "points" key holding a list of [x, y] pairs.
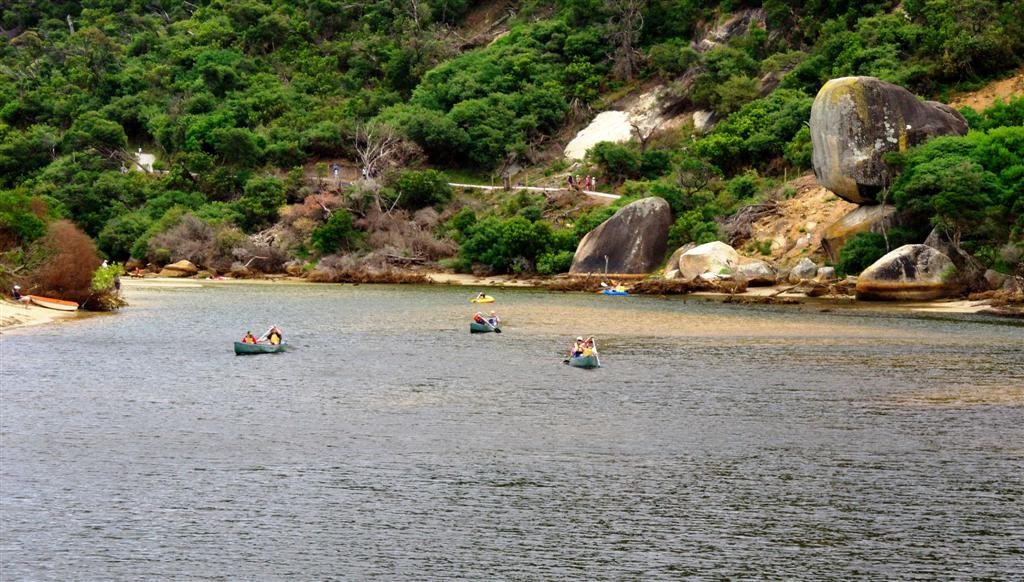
{"points": [[249, 338], [577, 348], [274, 335], [479, 318]]}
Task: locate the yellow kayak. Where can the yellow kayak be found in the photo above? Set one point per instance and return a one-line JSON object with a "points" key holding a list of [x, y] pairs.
{"points": [[484, 299]]}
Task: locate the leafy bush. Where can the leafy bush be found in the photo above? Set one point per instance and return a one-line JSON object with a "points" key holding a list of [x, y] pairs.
{"points": [[260, 203], [672, 57], [120, 233], [692, 226], [505, 245], [617, 162], [757, 133], [554, 263], [335, 234], [104, 277], [860, 252], [18, 224], [418, 189]]}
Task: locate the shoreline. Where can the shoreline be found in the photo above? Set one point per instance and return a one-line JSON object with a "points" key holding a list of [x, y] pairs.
{"points": [[14, 316], [17, 316]]}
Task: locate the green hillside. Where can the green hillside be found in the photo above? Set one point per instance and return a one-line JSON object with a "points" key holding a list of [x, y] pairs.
{"points": [[247, 103]]}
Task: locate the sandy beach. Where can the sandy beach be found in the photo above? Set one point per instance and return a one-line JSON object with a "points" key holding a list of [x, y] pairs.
{"points": [[14, 315]]}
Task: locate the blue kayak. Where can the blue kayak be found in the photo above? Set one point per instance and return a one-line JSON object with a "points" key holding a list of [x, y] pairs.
{"points": [[615, 292]]}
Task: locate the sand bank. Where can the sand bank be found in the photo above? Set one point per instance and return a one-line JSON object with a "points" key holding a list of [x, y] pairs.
{"points": [[14, 315]]}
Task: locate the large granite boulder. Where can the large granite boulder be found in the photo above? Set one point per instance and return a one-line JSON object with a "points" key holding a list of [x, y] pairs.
{"points": [[802, 271], [856, 120], [634, 240], [757, 272], [672, 264], [713, 258], [911, 272], [868, 218], [182, 268]]}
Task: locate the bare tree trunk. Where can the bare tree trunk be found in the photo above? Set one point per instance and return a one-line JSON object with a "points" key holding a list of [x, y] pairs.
{"points": [[625, 25]]}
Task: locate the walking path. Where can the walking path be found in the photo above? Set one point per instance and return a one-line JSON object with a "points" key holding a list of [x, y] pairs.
{"points": [[535, 189]]}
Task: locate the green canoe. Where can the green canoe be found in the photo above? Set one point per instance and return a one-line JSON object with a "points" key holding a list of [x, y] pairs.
{"points": [[244, 349], [475, 327], [583, 362]]}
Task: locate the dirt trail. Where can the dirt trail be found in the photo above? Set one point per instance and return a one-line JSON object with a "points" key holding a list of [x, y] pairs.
{"points": [[987, 95]]}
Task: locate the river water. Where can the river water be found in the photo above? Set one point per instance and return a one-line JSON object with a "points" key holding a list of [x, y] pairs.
{"points": [[718, 441]]}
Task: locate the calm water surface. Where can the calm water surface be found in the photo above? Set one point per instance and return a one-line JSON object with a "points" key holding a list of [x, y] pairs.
{"points": [[717, 442]]}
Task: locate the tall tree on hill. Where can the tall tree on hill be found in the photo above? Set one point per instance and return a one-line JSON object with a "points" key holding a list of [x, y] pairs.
{"points": [[625, 23]]}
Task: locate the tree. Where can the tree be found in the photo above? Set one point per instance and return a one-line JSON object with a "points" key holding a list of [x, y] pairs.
{"points": [[417, 189], [260, 203], [624, 27], [335, 234]]}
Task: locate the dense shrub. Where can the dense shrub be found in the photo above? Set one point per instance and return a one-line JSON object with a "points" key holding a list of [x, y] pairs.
{"points": [[190, 239], [757, 133], [336, 234], [505, 245], [971, 188], [120, 233], [417, 189], [66, 259], [18, 224], [260, 203], [617, 162], [693, 226]]}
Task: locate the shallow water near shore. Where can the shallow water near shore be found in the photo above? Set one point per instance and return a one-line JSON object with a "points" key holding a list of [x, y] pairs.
{"points": [[718, 441]]}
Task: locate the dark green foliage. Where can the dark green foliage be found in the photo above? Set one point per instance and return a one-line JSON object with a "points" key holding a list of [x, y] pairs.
{"points": [[509, 245], [618, 162], [422, 188], [697, 226], [92, 131], [672, 57], [18, 224], [260, 203], [999, 114], [757, 133], [971, 187], [461, 223], [655, 164], [554, 263], [336, 234], [120, 234]]}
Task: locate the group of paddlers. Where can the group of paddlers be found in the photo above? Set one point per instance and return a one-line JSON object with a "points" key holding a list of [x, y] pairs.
{"points": [[582, 183], [273, 336], [492, 321], [583, 347]]}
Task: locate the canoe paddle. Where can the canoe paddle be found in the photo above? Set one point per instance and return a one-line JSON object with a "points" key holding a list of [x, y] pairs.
{"points": [[493, 327]]}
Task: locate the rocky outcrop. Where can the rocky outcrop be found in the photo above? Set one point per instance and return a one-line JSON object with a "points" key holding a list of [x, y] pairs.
{"points": [[713, 258], [869, 218], [856, 120], [757, 273], [672, 264], [911, 272], [634, 240], [180, 269], [825, 275], [805, 269]]}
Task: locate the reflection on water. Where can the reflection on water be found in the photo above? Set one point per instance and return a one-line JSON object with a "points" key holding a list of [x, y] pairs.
{"points": [[717, 441]]}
